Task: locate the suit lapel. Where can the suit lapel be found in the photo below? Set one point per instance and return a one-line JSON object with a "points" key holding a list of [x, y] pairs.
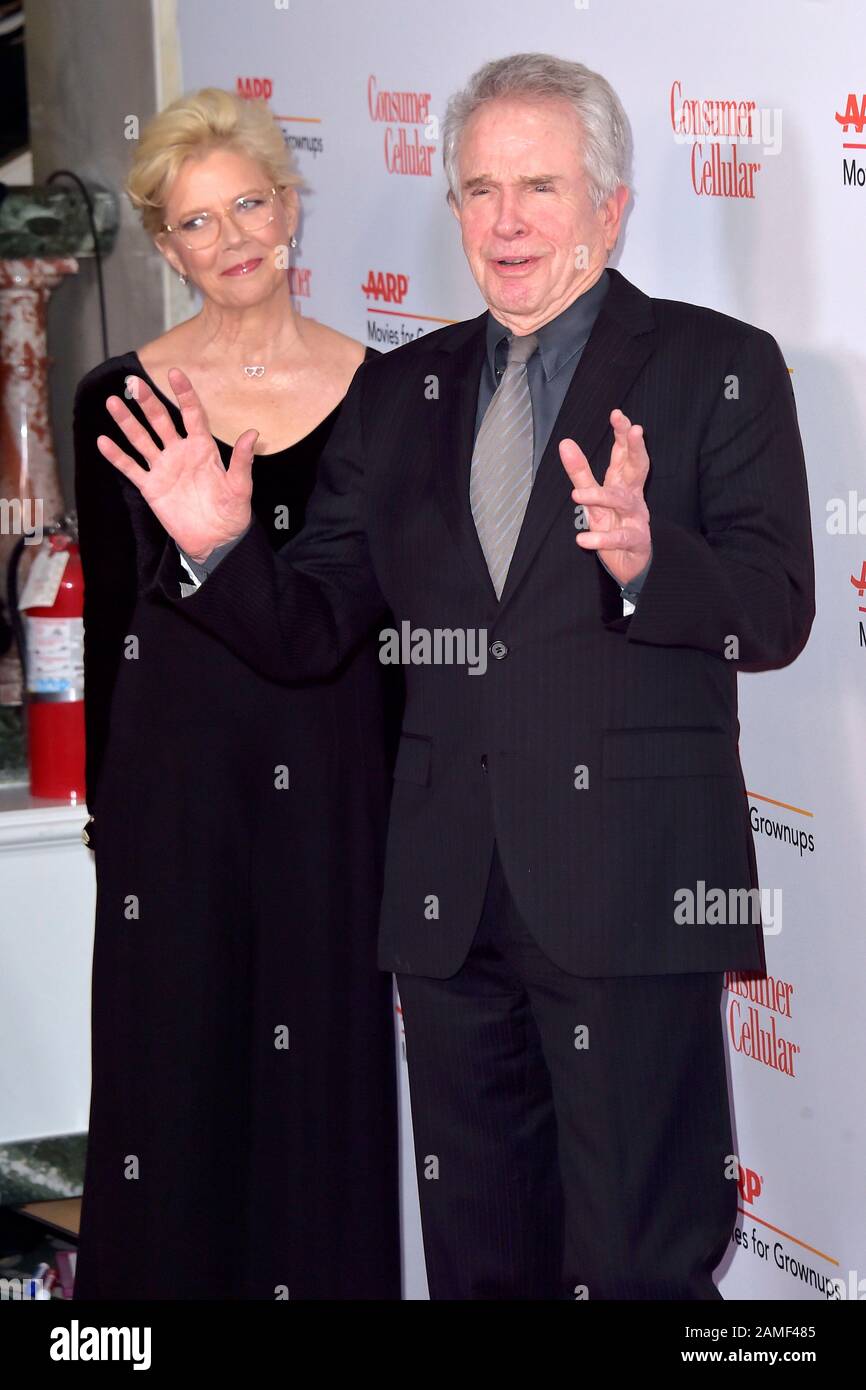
{"points": [[621, 341]]}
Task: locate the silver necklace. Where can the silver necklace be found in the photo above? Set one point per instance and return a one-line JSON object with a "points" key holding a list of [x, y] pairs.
{"points": [[254, 371]]}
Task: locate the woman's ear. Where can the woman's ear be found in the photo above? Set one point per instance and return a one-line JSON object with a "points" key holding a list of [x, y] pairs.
{"points": [[291, 203], [165, 248]]}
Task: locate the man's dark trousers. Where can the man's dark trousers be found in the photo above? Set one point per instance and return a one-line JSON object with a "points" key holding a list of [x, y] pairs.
{"points": [[574, 1133]]}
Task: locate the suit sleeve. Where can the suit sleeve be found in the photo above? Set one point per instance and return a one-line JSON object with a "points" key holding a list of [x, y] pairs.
{"points": [[748, 573], [108, 562], [297, 613]]}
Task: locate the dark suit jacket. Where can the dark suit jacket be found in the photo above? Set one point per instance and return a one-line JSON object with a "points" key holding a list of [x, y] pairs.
{"points": [[646, 703]]}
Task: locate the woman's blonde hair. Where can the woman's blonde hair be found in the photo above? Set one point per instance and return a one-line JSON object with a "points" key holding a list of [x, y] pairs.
{"points": [[192, 126]]}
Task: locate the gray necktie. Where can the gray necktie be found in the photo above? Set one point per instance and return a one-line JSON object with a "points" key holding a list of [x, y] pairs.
{"points": [[500, 480]]}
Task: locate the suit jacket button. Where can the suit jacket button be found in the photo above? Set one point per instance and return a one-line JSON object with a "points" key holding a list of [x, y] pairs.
{"points": [[498, 650], [483, 762]]}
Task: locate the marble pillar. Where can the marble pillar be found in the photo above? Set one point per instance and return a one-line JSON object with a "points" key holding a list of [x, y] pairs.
{"points": [[29, 481]]}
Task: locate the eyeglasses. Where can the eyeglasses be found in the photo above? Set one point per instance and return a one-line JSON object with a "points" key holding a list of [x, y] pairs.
{"points": [[250, 212]]}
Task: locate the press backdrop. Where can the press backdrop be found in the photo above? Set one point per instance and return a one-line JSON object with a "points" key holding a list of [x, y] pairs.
{"points": [[767, 226]]}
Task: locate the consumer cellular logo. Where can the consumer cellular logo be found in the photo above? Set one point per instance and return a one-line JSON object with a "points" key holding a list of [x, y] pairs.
{"points": [[406, 152], [717, 129], [757, 1012]]}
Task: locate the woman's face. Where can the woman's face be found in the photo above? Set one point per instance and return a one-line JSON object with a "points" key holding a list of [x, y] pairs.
{"points": [[242, 267]]}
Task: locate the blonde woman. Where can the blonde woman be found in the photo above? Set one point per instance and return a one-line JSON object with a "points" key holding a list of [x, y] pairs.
{"points": [[243, 1138]]}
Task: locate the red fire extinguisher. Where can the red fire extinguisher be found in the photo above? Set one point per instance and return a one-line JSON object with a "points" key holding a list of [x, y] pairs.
{"points": [[49, 622]]}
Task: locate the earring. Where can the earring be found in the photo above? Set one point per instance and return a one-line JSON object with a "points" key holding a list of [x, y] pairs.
{"points": [[182, 278], [293, 242]]}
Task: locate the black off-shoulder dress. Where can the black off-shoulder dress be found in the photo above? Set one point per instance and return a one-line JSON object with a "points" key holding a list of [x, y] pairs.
{"points": [[243, 1125]]}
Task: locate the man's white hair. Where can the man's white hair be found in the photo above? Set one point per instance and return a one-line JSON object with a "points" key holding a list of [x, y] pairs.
{"points": [[607, 139]]}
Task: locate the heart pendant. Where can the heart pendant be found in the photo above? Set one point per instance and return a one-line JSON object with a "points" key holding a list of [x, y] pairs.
{"points": [[254, 371]]}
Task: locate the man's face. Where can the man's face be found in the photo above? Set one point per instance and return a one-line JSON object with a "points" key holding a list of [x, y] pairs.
{"points": [[533, 240]]}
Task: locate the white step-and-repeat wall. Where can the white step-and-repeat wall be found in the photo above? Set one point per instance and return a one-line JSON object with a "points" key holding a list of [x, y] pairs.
{"points": [[768, 228]]}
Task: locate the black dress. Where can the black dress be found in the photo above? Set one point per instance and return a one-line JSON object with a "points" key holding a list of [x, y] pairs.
{"points": [[243, 1126]]}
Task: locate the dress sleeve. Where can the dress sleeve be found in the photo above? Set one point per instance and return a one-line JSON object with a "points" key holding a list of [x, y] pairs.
{"points": [[108, 561]]}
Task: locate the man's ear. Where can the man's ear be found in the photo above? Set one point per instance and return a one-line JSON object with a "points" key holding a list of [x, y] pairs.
{"points": [[612, 211], [453, 204]]}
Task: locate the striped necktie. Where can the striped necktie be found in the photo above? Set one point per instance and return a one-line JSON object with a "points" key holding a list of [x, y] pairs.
{"points": [[500, 480]]}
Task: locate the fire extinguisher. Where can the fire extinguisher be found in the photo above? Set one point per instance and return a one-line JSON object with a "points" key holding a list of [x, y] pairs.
{"points": [[48, 618]]}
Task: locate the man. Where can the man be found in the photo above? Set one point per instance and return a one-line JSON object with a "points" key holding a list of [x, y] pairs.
{"points": [[551, 805]]}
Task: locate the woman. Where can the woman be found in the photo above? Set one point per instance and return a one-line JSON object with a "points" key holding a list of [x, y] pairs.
{"points": [[243, 1132]]}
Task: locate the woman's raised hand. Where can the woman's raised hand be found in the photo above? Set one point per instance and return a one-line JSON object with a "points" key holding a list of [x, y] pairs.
{"points": [[200, 503]]}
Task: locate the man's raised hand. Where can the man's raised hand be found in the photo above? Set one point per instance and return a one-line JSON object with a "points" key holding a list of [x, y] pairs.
{"points": [[616, 511], [200, 503]]}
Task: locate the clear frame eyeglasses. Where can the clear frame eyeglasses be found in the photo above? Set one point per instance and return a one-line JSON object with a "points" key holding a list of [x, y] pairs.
{"points": [[250, 212]]}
